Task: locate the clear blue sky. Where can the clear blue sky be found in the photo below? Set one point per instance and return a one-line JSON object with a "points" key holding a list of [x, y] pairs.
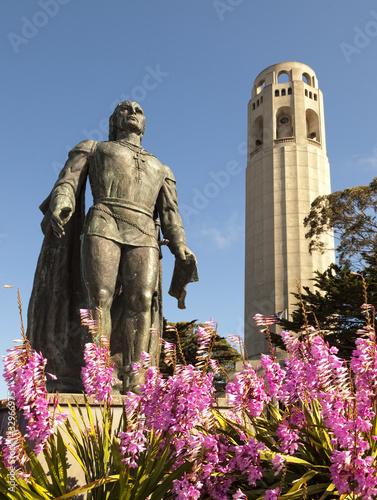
{"points": [[191, 65]]}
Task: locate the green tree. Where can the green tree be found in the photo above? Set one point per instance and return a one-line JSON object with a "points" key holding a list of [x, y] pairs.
{"points": [[188, 340], [352, 216], [334, 302]]}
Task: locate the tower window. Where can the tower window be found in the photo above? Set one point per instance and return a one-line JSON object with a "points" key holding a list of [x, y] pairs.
{"points": [[290, 91], [306, 78], [253, 106], [261, 99], [312, 125], [261, 86], [276, 93], [257, 102], [306, 92], [315, 97], [284, 122], [283, 92], [283, 77], [257, 133], [310, 95]]}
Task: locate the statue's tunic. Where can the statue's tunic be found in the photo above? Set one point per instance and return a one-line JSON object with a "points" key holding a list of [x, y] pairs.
{"points": [[129, 187]]}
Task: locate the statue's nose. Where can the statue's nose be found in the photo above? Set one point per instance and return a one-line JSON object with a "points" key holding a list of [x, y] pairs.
{"points": [[132, 110]]}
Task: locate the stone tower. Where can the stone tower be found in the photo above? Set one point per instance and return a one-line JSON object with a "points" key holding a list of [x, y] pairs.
{"points": [[287, 169]]}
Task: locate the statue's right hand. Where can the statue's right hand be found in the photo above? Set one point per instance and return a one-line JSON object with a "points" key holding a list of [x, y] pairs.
{"points": [[59, 219]]}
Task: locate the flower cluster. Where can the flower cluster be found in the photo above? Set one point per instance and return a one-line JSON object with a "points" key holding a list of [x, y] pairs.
{"points": [[14, 454], [308, 405], [247, 392], [132, 444], [314, 374], [248, 460], [185, 490], [25, 376], [206, 336], [178, 403], [97, 374]]}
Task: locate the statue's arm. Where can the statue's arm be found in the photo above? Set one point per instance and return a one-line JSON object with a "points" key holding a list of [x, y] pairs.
{"points": [[171, 222], [69, 184]]}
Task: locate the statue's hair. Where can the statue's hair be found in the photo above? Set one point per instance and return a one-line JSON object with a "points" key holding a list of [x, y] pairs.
{"points": [[112, 128], [112, 124]]}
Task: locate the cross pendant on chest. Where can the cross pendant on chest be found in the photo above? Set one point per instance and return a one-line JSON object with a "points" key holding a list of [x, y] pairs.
{"points": [[137, 165]]}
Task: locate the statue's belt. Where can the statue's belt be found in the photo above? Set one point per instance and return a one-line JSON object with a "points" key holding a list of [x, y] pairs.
{"points": [[124, 219], [132, 206]]}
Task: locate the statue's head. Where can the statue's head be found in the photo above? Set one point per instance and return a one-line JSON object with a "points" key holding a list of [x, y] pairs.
{"points": [[127, 116]]}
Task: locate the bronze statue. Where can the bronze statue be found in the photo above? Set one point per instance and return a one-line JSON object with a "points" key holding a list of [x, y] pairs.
{"points": [[133, 195]]}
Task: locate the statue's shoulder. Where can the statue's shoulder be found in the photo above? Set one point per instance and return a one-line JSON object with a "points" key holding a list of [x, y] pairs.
{"points": [[87, 146], [168, 173]]}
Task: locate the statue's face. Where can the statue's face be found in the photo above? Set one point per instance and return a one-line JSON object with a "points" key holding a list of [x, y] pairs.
{"points": [[130, 117]]}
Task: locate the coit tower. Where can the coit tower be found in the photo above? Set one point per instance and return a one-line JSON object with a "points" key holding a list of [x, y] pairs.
{"points": [[287, 169]]}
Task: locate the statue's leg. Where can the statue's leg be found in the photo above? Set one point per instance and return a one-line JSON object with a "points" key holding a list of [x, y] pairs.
{"points": [[100, 260], [139, 271]]}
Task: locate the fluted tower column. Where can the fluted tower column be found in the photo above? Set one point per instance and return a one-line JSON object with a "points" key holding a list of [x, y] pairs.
{"points": [[287, 169]]}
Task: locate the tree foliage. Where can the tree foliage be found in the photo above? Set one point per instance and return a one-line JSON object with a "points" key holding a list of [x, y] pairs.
{"points": [[334, 302], [351, 215]]}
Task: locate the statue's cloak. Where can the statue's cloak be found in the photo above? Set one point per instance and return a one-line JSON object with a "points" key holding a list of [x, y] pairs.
{"points": [[53, 315]]}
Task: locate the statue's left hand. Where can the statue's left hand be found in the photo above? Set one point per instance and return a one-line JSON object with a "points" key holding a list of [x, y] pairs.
{"points": [[59, 218]]}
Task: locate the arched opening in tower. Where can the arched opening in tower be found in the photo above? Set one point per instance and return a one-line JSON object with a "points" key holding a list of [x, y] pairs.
{"points": [[312, 125], [306, 78], [283, 77], [257, 133], [284, 122]]}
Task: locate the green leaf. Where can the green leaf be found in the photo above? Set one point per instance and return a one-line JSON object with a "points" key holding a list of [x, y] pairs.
{"points": [[304, 479], [308, 492], [329, 490], [89, 486]]}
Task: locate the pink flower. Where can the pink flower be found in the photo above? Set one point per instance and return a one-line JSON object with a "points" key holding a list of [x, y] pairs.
{"points": [[97, 375], [25, 376], [278, 463], [248, 460], [178, 403], [170, 354], [14, 454], [205, 336], [272, 494], [185, 490], [239, 495], [132, 444], [214, 365], [274, 375], [247, 392]]}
